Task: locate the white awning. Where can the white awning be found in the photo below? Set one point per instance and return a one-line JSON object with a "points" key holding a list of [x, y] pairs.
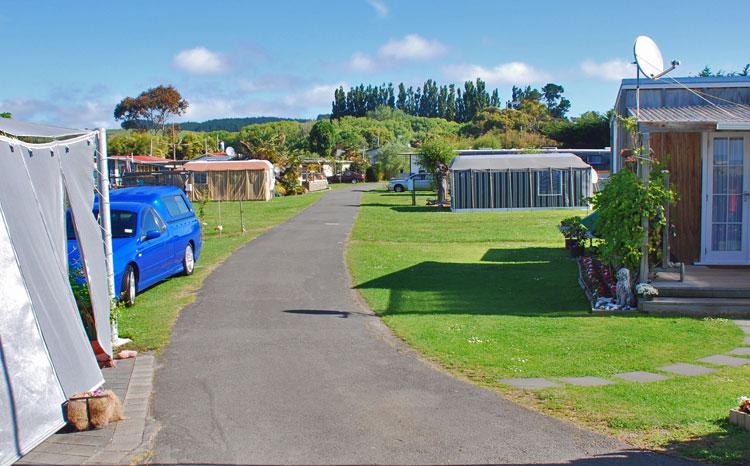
{"points": [[20, 128], [557, 160]]}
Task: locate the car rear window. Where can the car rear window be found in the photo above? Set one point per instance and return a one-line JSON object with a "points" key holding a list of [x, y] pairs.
{"points": [[176, 205]]}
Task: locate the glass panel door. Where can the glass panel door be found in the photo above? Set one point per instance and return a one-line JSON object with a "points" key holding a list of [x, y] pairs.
{"points": [[727, 219]]}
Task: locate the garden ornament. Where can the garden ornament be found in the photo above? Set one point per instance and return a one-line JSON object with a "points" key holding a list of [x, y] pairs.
{"points": [[625, 296]]}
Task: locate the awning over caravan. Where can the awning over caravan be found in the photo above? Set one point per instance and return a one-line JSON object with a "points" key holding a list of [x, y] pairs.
{"points": [[20, 128], [229, 165], [534, 161]]}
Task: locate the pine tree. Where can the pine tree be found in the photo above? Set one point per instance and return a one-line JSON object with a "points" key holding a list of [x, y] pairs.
{"points": [[401, 102], [495, 99], [450, 106]]}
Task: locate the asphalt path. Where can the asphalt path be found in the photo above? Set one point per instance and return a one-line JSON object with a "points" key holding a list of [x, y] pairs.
{"points": [[278, 361]]}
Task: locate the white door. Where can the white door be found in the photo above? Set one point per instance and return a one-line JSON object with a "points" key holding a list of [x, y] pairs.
{"points": [[726, 199]]}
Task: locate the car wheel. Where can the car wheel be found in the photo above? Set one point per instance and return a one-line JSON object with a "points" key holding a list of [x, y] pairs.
{"points": [[129, 286], [398, 188], [188, 260]]}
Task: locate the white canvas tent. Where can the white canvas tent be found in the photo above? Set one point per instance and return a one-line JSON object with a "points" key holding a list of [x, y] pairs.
{"points": [[45, 355]]}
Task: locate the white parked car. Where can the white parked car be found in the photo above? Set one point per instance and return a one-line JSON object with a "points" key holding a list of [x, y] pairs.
{"points": [[419, 181]]}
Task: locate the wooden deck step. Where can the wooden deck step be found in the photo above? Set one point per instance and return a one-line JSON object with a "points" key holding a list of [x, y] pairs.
{"points": [[678, 290], [698, 306]]}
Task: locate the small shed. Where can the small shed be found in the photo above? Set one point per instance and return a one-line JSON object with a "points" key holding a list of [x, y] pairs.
{"points": [[234, 180], [520, 181]]}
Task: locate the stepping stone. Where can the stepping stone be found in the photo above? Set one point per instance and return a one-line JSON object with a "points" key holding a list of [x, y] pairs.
{"points": [[742, 322], [721, 360], [741, 351], [745, 329], [687, 369], [530, 383], [746, 341], [641, 376], [587, 381]]}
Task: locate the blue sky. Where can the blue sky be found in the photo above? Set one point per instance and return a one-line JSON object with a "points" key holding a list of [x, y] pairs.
{"points": [[70, 62]]}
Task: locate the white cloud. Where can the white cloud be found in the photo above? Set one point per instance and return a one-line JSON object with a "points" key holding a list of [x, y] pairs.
{"points": [[314, 97], [412, 47], [612, 70], [381, 9], [200, 60], [300, 103], [504, 73], [362, 62], [268, 83], [72, 113]]}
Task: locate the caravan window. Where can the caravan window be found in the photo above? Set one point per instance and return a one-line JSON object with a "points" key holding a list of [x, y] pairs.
{"points": [[549, 182]]}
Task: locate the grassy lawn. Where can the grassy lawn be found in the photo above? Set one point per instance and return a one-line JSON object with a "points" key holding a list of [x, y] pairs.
{"points": [[494, 295], [149, 322]]}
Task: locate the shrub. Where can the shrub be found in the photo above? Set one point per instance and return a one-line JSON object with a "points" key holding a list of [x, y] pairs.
{"points": [[620, 206]]}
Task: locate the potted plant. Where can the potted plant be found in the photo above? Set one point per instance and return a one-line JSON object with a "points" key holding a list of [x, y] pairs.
{"points": [[741, 416], [574, 233]]}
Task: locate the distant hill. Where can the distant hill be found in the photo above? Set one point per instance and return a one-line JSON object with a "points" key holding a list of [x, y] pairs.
{"points": [[230, 124]]}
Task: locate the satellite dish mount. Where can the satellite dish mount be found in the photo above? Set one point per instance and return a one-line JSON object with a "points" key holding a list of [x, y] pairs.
{"points": [[648, 60]]}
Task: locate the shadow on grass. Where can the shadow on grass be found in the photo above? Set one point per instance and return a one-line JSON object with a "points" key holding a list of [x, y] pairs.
{"points": [[730, 445], [521, 282]]}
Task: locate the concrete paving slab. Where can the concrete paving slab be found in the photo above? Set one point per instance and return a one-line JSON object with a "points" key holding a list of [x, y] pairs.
{"points": [[722, 360], [743, 351], [746, 341], [745, 329], [586, 381], [686, 369], [530, 383], [641, 376], [742, 322]]}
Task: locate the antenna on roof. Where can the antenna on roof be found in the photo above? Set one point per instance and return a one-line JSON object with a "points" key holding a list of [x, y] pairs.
{"points": [[649, 61]]}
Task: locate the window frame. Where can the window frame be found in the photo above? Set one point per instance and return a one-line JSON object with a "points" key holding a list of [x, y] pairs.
{"points": [[551, 172]]}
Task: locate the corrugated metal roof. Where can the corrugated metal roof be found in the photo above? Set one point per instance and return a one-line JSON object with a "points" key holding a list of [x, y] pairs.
{"points": [[518, 161], [141, 159], [695, 114], [691, 81], [232, 165]]}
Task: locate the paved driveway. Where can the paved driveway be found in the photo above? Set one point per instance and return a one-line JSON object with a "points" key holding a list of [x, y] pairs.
{"points": [[278, 362]]}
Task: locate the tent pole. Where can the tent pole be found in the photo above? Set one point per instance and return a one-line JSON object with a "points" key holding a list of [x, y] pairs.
{"points": [[106, 222]]}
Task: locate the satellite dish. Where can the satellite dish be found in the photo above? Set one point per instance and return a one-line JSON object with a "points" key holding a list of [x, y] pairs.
{"points": [[648, 57], [230, 150]]}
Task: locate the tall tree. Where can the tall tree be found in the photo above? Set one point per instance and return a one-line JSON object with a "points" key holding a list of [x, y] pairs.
{"points": [[6, 115], [495, 99], [401, 102], [151, 109], [322, 138], [450, 106], [556, 103]]}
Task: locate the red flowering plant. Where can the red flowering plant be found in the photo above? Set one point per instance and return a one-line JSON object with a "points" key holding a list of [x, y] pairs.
{"points": [[597, 278]]}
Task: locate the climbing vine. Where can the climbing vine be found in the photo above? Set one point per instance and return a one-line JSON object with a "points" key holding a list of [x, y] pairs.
{"points": [[620, 206]]}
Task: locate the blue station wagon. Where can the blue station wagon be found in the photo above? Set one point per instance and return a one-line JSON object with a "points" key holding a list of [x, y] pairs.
{"points": [[155, 235]]}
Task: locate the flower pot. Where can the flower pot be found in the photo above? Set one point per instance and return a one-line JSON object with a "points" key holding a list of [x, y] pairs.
{"points": [[739, 419]]}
